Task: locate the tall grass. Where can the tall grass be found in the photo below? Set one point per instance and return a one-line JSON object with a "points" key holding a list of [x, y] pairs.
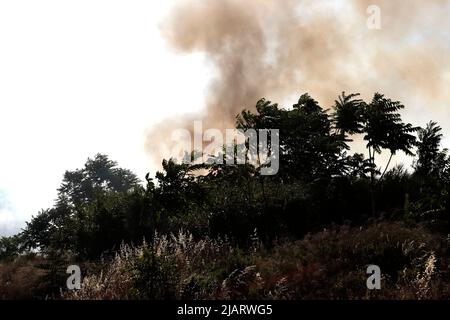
{"points": [[327, 265]]}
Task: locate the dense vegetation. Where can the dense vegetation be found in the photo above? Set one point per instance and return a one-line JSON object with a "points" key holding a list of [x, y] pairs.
{"points": [[226, 231]]}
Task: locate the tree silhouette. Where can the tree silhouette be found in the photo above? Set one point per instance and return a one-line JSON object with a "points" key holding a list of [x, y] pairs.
{"points": [[319, 182], [429, 140], [381, 124], [348, 114]]}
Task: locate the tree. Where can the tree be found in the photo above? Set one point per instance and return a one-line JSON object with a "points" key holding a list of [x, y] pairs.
{"points": [[382, 126], [308, 147], [384, 129], [79, 187], [432, 170], [179, 198], [10, 247], [429, 140], [348, 115], [90, 212]]}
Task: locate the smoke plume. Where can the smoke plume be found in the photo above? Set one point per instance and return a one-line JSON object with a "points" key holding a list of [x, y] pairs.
{"points": [[280, 49]]}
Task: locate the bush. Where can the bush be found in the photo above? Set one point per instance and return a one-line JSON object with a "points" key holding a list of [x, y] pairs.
{"points": [[332, 264], [21, 279]]}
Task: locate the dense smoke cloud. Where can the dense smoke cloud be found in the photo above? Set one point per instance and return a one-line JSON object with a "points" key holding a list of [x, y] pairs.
{"points": [[277, 49]]}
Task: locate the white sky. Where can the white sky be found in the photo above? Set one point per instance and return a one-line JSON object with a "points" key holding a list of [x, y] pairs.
{"points": [[80, 77]]}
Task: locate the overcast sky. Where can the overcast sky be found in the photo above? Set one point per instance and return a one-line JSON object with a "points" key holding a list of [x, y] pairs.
{"points": [[80, 77], [77, 78]]}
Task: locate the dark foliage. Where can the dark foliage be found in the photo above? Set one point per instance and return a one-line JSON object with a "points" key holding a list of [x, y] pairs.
{"points": [[319, 184]]}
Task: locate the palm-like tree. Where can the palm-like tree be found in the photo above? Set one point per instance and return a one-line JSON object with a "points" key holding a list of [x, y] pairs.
{"points": [[384, 129], [348, 114], [381, 124]]}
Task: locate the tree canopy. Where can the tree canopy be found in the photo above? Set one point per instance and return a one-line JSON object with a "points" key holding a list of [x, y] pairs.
{"points": [[320, 182]]}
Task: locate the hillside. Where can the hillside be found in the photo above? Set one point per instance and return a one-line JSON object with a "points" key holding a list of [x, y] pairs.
{"points": [[216, 230]]}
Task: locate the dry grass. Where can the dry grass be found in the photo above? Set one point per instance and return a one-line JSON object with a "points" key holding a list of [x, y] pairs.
{"points": [[21, 280], [327, 265]]}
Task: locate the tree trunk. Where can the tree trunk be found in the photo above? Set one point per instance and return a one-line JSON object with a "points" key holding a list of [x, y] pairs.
{"points": [[372, 181], [387, 166]]}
